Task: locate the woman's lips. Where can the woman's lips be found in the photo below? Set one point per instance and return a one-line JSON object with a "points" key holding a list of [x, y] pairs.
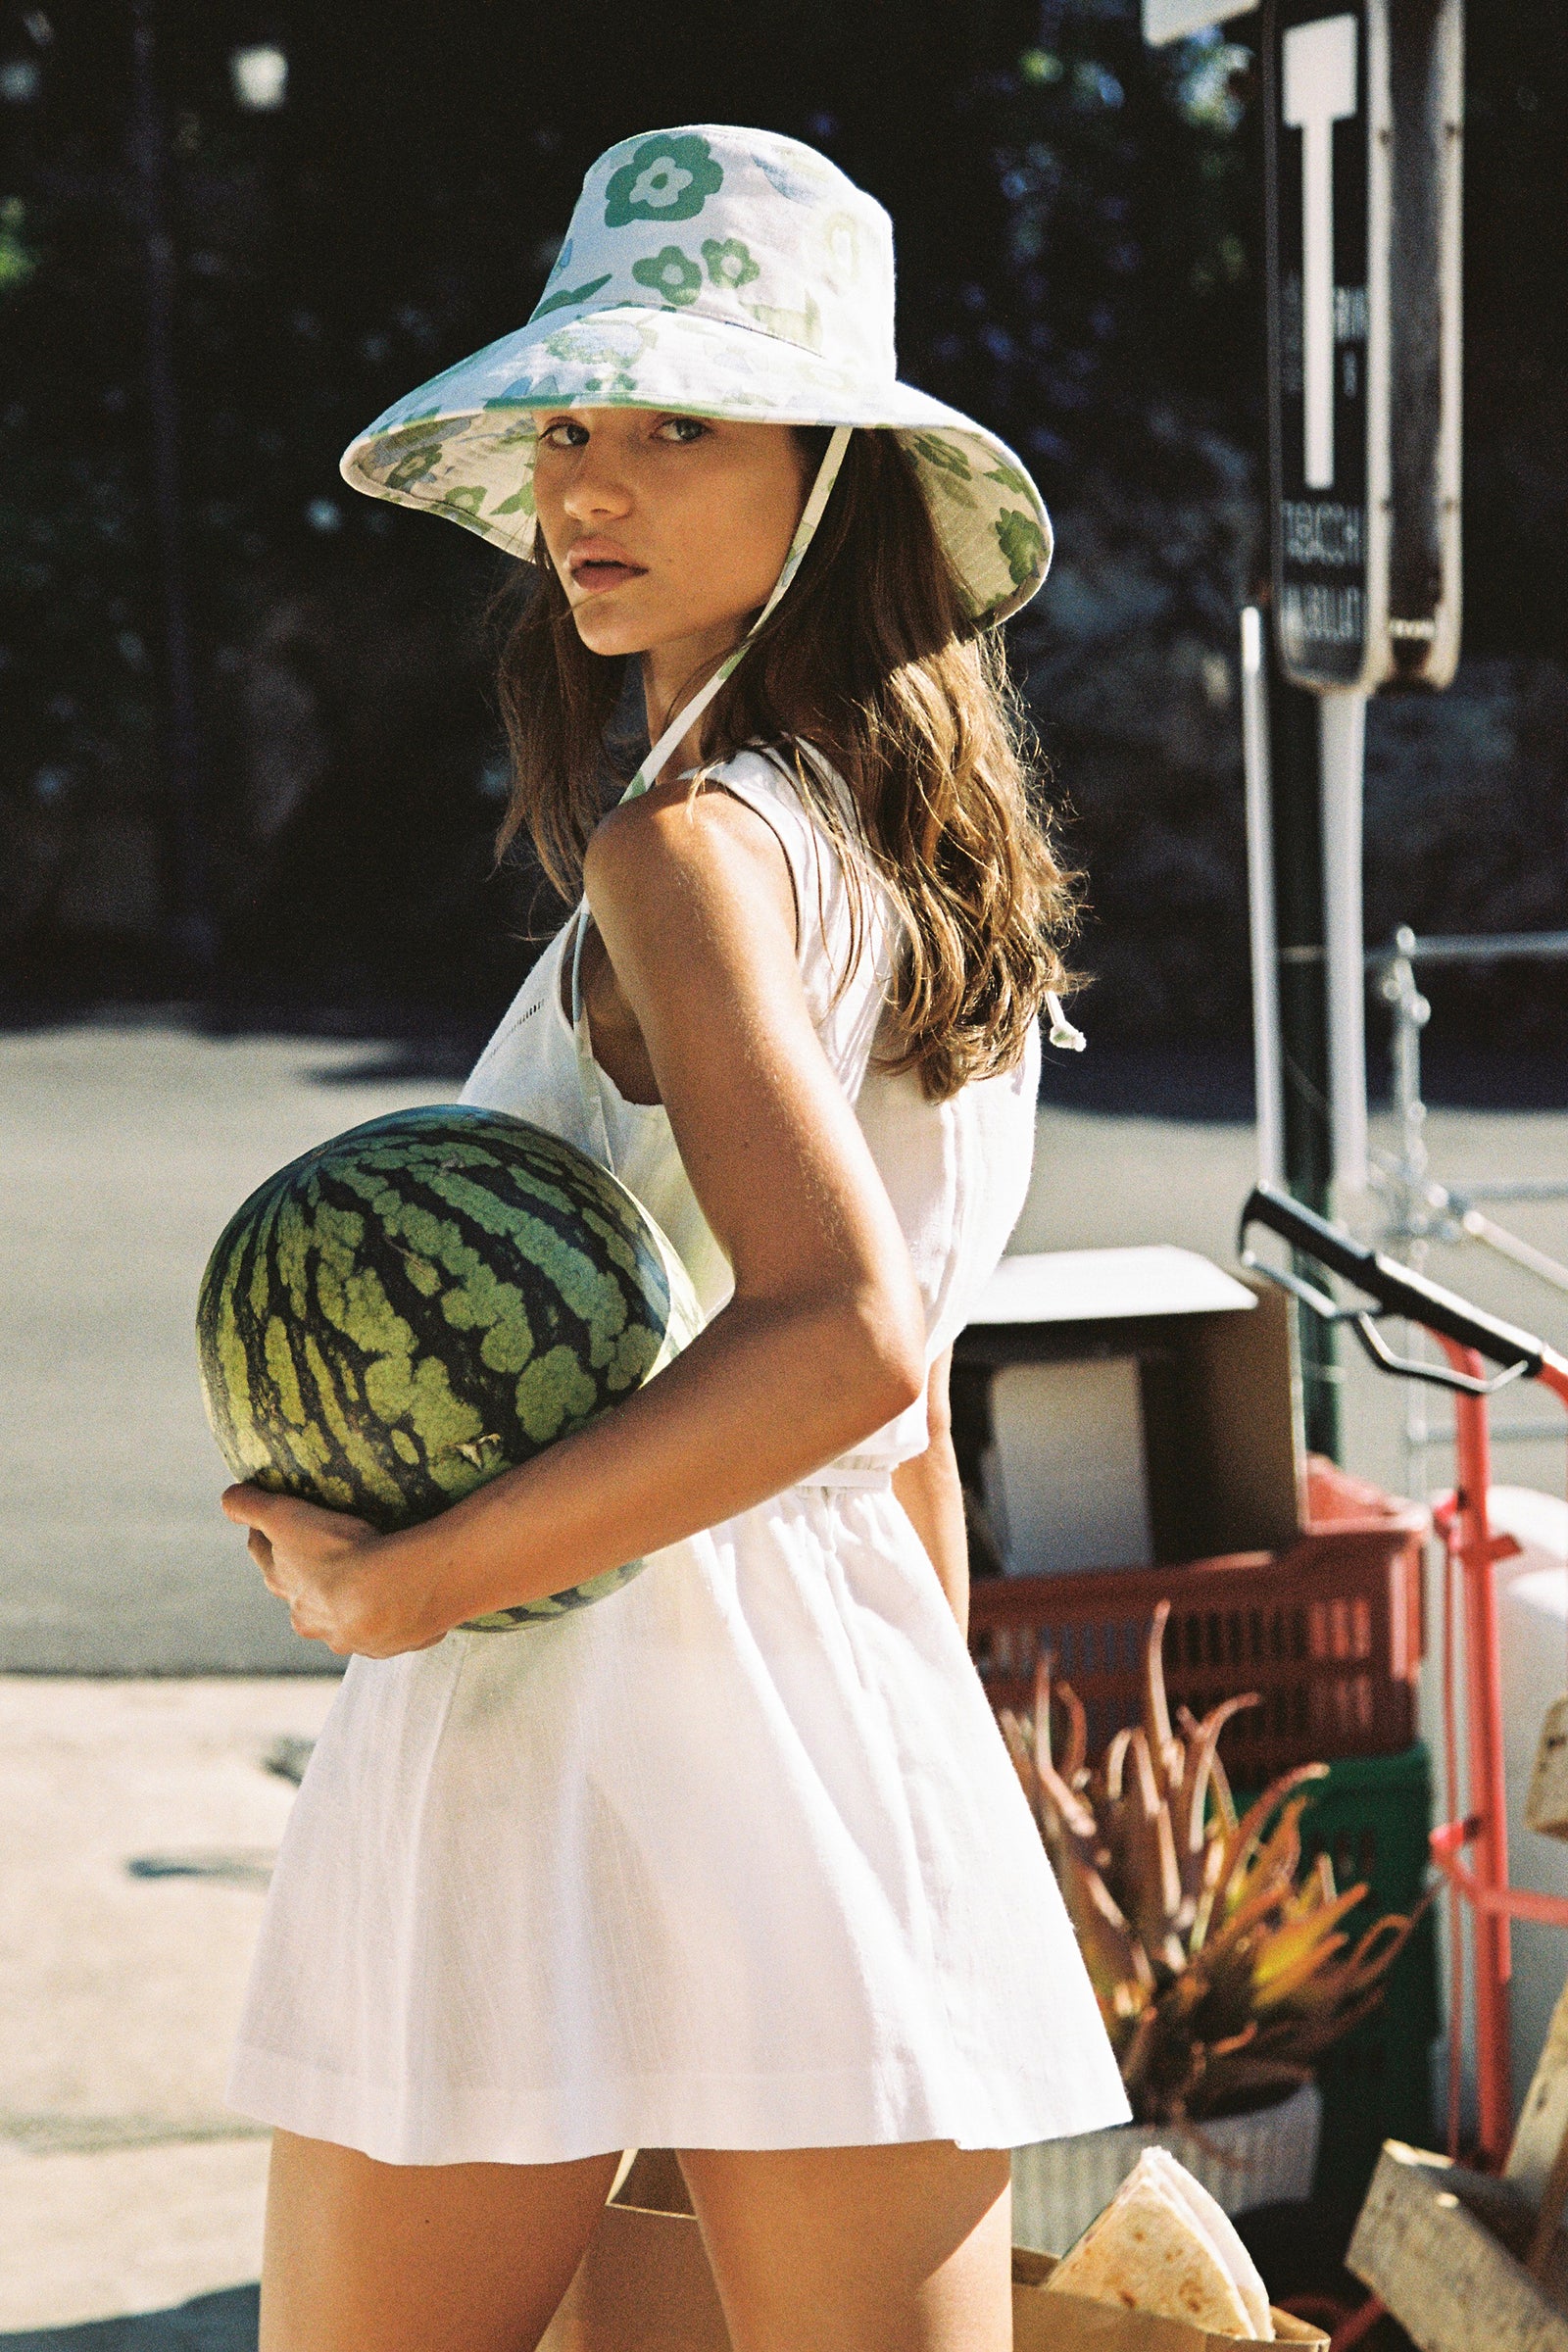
{"points": [[593, 573]]}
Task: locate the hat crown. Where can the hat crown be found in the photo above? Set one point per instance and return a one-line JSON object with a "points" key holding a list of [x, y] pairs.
{"points": [[741, 226]]}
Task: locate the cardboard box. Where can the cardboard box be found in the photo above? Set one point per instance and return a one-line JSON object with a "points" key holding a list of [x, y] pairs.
{"points": [[1172, 1402], [645, 2286]]}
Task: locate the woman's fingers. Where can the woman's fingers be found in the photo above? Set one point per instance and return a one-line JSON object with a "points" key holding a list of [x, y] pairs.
{"points": [[322, 1564], [281, 1515], [246, 1505]]}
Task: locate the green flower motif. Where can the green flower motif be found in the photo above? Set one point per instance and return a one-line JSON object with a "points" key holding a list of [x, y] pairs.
{"points": [[462, 503], [671, 272], [791, 327], [519, 503], [731, 262], [590, 343], [410, 464], [841, 245], [1023, 544], [1008, 477], [666, 179], [943, 456]]}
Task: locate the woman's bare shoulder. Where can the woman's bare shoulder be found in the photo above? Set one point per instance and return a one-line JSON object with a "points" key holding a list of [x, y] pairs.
{"points": [[674, 842], [671, 857]]}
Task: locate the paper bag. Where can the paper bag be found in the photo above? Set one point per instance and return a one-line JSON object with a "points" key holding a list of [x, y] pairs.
{"points": [[645, 2286]]}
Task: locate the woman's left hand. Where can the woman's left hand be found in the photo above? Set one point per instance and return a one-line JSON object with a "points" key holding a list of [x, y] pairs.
{"points": [[344, 1584]]}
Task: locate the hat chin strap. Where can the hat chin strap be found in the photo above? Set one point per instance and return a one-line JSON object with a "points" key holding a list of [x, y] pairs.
{"points": [[1062, 1032], [828, 473]]}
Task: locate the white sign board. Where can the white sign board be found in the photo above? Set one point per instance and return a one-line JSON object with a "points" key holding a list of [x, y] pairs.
{"points": [[1362, 120], [1318, 90], [1173, 19]]}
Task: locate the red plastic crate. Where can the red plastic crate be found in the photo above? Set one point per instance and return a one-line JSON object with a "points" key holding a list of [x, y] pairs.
{"points": [[1329, 1634]]}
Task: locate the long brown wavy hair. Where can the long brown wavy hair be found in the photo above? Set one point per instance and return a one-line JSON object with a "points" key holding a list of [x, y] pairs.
{"points": [[871, 659]]}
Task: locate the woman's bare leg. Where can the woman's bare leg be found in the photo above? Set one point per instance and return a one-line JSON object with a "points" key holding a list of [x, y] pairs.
{"points": [[893, 2249], [367, 2257]]}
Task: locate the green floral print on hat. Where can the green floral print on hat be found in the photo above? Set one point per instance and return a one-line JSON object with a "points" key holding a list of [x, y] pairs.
{"points": [[775, 304], [941, 456], [672, 273], [729, 262], [668, 178], [599, 343], [1023, 544]]}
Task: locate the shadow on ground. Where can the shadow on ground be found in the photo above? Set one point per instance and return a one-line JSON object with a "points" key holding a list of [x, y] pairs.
{"points": [[220, 2323]]}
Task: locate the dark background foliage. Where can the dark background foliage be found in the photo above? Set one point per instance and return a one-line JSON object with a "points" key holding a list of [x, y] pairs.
{"points": [[1078, 250]]}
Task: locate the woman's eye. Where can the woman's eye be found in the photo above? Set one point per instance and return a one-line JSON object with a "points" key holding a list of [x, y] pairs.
{"points": [[565, 433], [683, 429]]}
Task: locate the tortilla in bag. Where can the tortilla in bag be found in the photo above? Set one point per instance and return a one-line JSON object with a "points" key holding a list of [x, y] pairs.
{"points": [[1153, 2250]]}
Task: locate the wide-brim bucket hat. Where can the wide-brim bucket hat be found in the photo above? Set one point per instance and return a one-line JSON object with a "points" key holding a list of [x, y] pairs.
{"points": [[725, 272]]}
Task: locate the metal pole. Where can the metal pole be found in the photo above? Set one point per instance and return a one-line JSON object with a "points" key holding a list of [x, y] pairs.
{"points": [[1410, 1014], [1260, 900], [191, 927], [1294, 759], [1343, 731], [1295, 763], [1482, 1659]]}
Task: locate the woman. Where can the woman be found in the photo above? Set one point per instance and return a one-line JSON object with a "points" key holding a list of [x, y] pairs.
{"points": [[733, 1862]]}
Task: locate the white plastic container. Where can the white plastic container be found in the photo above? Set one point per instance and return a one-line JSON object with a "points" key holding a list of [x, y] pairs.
{"points": [[1264, 2158]]}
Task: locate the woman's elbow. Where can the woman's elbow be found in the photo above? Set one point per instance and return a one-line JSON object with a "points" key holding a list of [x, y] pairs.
{"points": [[891, 1358]]}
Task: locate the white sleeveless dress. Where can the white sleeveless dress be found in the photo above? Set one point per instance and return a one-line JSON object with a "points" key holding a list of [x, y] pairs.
{"points": [[736, 1857]]}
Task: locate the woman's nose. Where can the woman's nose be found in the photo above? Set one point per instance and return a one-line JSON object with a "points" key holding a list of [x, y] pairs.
{"points": [[596, 490]]}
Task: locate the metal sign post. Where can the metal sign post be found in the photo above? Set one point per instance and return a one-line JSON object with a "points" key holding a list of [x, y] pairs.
{"points": [[1319, 313], [1362, 125], [1362, 129]]}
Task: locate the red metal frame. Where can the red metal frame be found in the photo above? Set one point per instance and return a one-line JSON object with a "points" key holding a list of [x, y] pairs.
{"points": [[1473, 1554]]}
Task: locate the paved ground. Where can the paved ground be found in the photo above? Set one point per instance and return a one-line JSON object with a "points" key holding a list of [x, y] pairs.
{"points": [[127, 1149], [139, 1815], [140, 1824]]}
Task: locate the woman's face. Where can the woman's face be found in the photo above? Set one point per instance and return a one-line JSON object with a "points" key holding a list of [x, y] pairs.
{"points": [[666, 530]]}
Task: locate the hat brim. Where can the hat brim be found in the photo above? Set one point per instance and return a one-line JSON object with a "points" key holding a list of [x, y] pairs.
{"points": [[462, 444]]}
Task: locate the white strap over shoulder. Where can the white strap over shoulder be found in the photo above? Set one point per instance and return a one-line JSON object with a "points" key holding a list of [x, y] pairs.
{"points": [[804, 532], [647, 773]]}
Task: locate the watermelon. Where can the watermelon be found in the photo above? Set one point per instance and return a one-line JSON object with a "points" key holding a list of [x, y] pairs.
{"points": [[423, 1302]]}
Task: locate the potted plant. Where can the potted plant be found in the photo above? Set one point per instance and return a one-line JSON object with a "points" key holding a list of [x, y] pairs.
{"points": [[1219, 1959]]}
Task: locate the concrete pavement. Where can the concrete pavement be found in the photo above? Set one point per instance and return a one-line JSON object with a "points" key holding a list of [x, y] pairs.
{"points": [[140, 1824], [127, 1149]]}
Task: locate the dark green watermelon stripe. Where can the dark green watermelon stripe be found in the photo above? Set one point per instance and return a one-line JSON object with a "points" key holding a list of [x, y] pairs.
{"points": [[347, 1392], [349, 1362]]}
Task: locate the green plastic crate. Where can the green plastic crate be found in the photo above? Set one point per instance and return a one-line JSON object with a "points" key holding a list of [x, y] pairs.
{"points": [[1372, 1815]]}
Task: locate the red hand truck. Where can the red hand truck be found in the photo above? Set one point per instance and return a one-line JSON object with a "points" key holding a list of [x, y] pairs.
{"points": [[1469, 1338]]}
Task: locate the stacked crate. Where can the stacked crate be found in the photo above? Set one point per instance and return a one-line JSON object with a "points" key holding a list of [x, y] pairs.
{"points": [[1321, 1614]]}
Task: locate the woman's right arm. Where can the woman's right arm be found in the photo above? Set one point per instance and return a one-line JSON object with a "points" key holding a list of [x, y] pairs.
{"points": [[822, 1343]]}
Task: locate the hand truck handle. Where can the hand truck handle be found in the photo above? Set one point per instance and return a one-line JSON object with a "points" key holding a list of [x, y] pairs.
{"points": [[1394, 1288]]}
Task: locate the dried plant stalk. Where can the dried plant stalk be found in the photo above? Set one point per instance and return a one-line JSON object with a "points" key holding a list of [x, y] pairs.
{"points": [[1220, 1961]]}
